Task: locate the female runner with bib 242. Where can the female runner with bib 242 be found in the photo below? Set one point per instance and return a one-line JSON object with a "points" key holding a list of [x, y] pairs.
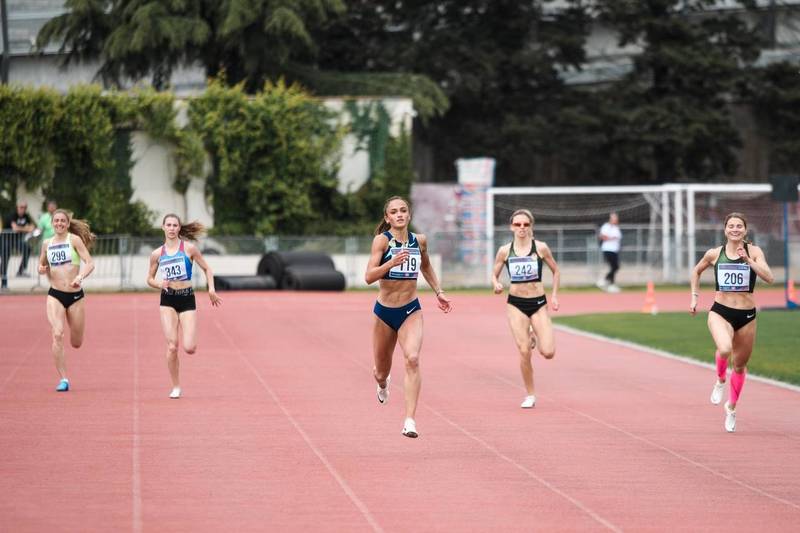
{"points": [[60, 259], [396, 259], [527, 304], [732, 319], [173, 261]]}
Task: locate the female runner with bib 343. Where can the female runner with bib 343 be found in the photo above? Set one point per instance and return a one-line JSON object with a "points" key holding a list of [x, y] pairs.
{"points": [[732, 319], [527, 304], [60, 259], [396, 260], [173, 261]]}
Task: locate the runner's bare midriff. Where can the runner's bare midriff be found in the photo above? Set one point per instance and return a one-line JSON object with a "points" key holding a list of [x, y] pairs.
{"points": [[61, 277], [397, 293], [533, 289], [735, 300]]}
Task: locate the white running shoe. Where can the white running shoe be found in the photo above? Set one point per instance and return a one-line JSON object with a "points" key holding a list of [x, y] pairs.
{"points": [[176, 393], [532, 335], [602, 283], [716, 392], [383, 393], [410, 428], [730, 419], [612, 288], [528, 402]]}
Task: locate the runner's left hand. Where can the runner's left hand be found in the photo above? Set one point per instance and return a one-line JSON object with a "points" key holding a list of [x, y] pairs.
{"points": [[216, 301], [444, 302]]}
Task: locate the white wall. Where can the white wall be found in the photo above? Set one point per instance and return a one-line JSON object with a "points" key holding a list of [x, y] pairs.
{"points": [[153, 172]]}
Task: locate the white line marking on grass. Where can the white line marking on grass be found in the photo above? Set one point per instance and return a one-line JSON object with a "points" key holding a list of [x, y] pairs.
{"points": [[668, 355], [339, 479]]}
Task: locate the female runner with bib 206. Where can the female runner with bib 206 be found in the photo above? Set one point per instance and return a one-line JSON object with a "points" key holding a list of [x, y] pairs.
{"points": [[396, 260], [60, 259], [173, 261], [527, 304], [732, 319]]}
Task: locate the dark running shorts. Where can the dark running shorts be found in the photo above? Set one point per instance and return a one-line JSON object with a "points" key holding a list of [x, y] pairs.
{"points": [[181, 300], [737, 318], [395, 316], [528, 305], [66, 298]]}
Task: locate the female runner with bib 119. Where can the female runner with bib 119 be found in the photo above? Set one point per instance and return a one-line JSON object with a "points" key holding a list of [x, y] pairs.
{"points": [[396, 260], [732, 319], [60, 259], [527, 304], [173, 261]]}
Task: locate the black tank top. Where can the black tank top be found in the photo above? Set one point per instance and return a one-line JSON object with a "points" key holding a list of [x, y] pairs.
{"points": [[733, 275], [525, 268]]}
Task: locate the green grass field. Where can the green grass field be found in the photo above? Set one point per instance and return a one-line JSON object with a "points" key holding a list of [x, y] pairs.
{"points": [[776, 354]]}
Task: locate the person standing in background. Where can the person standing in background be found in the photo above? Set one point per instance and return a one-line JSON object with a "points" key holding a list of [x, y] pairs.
{"points": [[610, 244], [21, 224], [46, 220]]}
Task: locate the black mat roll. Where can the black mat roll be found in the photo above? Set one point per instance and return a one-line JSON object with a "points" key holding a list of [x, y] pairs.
{"points": [[274, 263], [312, 278], [245, 283]]}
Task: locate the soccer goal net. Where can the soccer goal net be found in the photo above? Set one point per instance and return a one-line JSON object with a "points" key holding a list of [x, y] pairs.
{"points": [[665, 228]]}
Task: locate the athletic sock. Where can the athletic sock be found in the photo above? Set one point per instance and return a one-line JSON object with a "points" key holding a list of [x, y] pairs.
{"points": [[737, 382], [722, 366]]}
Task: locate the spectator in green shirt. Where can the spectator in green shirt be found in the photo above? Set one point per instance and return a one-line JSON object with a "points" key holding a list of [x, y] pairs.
{"points": [[46, 220]]}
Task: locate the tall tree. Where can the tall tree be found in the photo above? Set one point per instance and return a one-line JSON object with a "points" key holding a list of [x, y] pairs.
{"points": [[251, 40], [776, 104], [244, 41], [671, 113], [496, 60]]}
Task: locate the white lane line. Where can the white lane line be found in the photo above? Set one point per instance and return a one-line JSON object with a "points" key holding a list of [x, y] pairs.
{"points": [[360, 505], [34, 346], [136, 482], [659, 447], [577, 503], [485, 444]]}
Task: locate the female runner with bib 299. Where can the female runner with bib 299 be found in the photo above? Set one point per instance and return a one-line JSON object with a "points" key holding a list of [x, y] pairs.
{"points": [[527, 304], [732, 319], [173, 261], [60, 259], [396, 260]]}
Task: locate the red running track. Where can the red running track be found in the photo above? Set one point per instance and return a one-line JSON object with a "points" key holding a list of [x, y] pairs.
{"points": [[279, 429]]}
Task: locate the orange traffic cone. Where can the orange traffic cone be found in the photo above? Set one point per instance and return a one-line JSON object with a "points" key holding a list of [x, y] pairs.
{"points": [[650, 300], [792, 295]]}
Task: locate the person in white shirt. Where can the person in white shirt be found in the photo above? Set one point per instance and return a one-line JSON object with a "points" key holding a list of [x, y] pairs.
{"points": [[611, 242]]}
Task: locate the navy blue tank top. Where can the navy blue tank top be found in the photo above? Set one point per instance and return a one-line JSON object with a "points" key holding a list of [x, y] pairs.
{"points": [[409, 269]]}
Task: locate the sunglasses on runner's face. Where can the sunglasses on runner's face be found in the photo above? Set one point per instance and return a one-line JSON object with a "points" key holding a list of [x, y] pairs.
{"points": [[521, 224]]}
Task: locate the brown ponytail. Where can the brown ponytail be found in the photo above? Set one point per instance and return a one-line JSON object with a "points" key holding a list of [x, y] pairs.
{"points": [[189, 231], [78, 227], [384, 226]]}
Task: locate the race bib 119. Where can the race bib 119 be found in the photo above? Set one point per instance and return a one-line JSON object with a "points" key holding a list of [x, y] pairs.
{"points": [[408, 269]]}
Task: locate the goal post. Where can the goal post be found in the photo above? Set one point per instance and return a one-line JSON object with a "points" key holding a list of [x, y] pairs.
{"points": [[666, 228]]}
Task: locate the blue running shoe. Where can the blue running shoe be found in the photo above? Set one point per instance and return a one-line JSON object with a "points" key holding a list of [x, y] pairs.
{"points": [[63, 385]]}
